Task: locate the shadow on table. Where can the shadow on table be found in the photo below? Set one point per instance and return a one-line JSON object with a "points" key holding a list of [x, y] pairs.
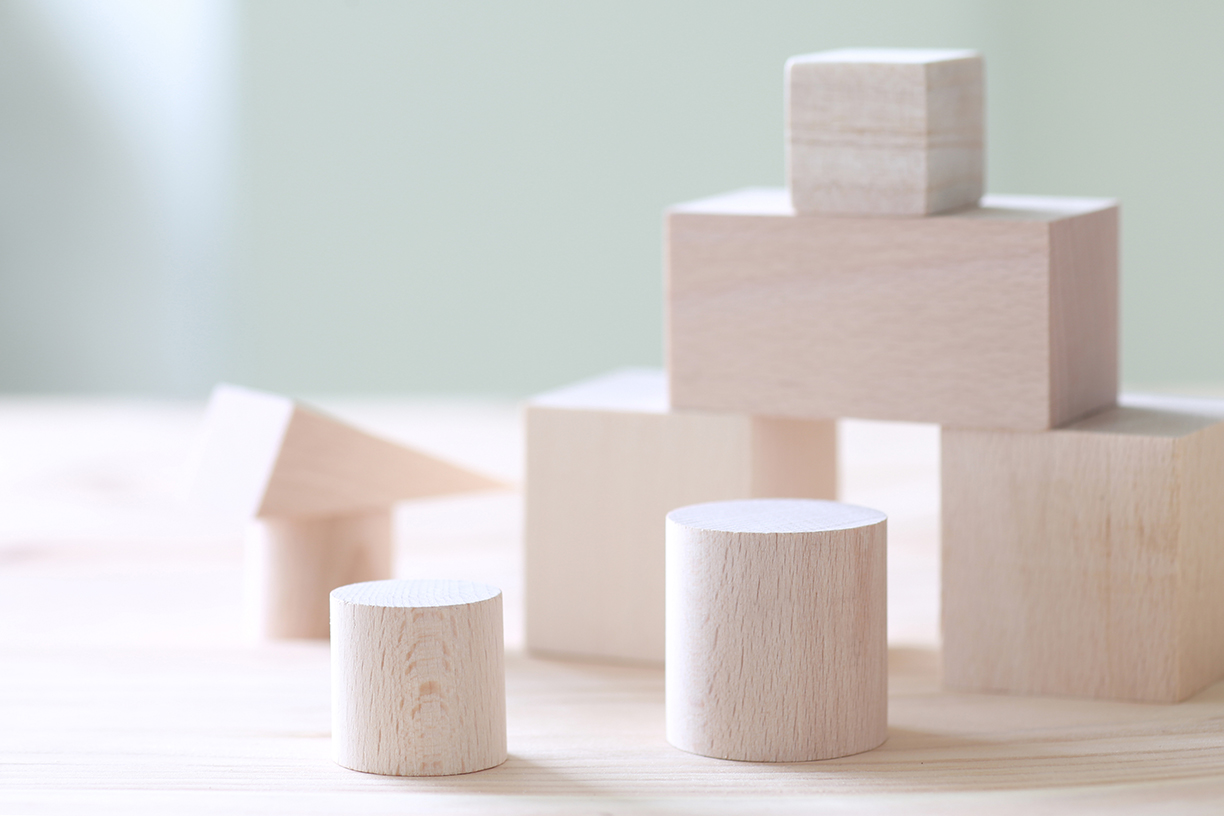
{"points": [[585, 742], [516, 776]]}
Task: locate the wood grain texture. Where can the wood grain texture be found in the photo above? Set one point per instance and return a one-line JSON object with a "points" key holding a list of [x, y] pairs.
{"points": [[776, 629], [1088, 560], [109, 709], [321, 492], [897, 132], [265, 455], [418, 677], [606, 461], [1001, 316], [292, 565], [202, 730]]}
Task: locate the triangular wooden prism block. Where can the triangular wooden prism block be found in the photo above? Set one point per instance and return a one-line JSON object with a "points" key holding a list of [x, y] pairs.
{"points": [[321, 493], [265, 455]]}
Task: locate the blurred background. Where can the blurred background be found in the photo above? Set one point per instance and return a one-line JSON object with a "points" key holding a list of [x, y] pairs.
{"points": [[348, 196]]}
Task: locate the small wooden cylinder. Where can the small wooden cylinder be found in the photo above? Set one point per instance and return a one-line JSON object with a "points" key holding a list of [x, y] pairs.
{"points": [[293, 563], [776, 630], [418, 677]]}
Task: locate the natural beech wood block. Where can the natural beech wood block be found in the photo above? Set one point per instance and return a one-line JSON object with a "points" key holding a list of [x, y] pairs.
{"points": [[1088, 560], [292, 565], [606, 461], [776, 630], [321, 493], [999, 316], [885, 131], [268, 456], [418, 677]]}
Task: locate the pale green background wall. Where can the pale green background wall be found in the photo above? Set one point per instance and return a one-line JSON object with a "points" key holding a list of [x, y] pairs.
{"points": [[466, 197]]}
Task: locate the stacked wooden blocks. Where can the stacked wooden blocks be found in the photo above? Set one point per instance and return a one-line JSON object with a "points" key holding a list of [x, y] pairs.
{"points": [[320, 493], [1080, 539], [836, 301], [418, 674], [606, 461]]}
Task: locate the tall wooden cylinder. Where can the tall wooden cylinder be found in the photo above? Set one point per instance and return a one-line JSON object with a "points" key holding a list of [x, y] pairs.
{"points": [[776, 629], [293, 563], [418, 677]]}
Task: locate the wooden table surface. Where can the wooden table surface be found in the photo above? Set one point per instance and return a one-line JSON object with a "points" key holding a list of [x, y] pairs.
{"points": [[126, 684]]}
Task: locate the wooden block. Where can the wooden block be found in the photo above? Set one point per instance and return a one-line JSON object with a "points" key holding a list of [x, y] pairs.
{"points": [[776, 630], [1088, 560], [880, 131], [268, 456], [418, 677], [292, 565], [1000, 316], [606, 461], [321, 492]]}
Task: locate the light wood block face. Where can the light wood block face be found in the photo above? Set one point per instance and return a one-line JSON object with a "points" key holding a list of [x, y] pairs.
{"points": [[321, 492], [1087, 561], [265, 455], [885, 131], [418, 677], [1001, 316], [292, 565], [776, 630], [606, 461], [108, 708]]}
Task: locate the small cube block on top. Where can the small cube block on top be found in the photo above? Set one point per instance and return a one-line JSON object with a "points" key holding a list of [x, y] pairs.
{"points": [[884, 131]]}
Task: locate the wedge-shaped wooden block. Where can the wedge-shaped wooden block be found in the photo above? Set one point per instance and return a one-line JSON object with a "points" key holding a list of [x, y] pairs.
{"points": [[875, 131], [999, 316], [269, 456], [1088, 560], [321, 493], [606, 462]]}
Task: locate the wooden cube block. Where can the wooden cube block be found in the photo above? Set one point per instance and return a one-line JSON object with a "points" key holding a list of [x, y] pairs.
{"points": [[606, 462], [1088, 560], [884, 131], [999, 316]]}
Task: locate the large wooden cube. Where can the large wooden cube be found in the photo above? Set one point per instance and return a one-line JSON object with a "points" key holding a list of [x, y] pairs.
{"points": [[1088, 560], [884, 131], [606, 462], [999, 316]]}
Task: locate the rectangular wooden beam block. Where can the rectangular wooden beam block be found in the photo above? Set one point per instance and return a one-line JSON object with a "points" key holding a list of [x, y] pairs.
{"points": [[998, 316], [884, 131], [1089, 560], [606, 462]]}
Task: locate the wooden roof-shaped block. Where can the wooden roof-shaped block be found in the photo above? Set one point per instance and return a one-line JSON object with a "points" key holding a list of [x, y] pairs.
{"points": [[266, 455]]}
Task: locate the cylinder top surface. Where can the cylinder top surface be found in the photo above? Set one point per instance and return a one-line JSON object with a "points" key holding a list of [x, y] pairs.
{"points": [[415, 594], [775, 516]]}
